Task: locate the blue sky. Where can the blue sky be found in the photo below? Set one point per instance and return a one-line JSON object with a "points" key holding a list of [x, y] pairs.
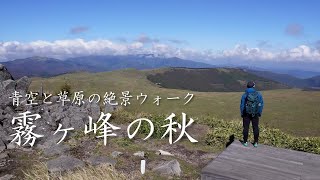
{"points": [[199, 25]]}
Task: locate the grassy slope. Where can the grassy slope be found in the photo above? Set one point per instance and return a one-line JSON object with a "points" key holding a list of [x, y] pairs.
{"points": [[211, 80], [291, 110]]}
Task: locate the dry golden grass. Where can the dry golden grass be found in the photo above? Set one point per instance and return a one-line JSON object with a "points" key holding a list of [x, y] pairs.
{"points": [[39, 171]]}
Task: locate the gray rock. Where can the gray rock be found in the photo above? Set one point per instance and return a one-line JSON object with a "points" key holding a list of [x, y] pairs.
{"points": [[4, 155], [3, 163], [68, 115], [93, 109], [49, 142], [12, 146], [29, 149], [164, 153], [64, 163], [54, 99], [23, 84], [7, 177], [3, 134], [108, 108], [8, 110], [77, 120], [59, 149], [99, 160], [4, 73], [2, 146], [8, 84], [115, 154], [171, 168], [139, 154]]}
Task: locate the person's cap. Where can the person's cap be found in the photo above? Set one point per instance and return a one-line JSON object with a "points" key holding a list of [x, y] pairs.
{"points": [[251, 84]]}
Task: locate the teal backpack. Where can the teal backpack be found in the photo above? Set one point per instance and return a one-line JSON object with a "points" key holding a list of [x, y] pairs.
{"points": [[252, 103]]}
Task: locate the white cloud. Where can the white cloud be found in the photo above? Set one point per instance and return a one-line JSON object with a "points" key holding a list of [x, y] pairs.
{"points": [[242, 51], [63, 49], [300, 53]]}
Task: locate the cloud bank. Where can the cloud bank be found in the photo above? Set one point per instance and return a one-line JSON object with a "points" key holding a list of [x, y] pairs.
{"points": [[63, 49]]}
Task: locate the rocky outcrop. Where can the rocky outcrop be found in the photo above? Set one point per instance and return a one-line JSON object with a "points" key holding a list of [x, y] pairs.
{"points": [[69, 116], [8, 85], [4, 74], [51, 114]]}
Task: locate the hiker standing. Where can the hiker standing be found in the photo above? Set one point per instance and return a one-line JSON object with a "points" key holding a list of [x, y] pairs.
{"points": [[251, 107]]}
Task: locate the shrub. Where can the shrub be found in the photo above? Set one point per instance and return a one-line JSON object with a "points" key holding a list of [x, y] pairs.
{"points": [[66, 87], [158, 121]]}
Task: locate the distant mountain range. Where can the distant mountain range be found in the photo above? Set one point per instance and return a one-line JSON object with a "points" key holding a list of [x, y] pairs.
{"points": [[313, 82], [47, 67]]}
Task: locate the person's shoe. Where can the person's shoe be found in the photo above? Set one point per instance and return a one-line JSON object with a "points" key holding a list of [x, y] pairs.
{"points": [[245, 144], [255, 145]]}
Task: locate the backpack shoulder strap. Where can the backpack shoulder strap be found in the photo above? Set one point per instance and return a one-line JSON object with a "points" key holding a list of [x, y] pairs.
{"points": [[246, 98]]}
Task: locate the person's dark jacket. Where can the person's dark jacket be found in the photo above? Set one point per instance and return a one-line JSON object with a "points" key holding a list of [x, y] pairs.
{"points": [[243, 101]]}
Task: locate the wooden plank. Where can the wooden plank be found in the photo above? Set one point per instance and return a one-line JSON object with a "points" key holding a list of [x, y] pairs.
{"points": [[238, 162], [237, 170]]}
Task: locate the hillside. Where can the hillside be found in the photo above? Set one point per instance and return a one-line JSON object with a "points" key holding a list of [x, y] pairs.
{"points": [[211, 79], [308, 83], [284, 108], [314, 81], [283, 78]]}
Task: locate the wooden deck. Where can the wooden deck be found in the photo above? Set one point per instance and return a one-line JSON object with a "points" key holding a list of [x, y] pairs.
{"points": [[265, 162]]}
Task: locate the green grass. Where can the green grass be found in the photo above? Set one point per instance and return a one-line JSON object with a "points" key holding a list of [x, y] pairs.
{"points": [[222, 130], [291, 110]]}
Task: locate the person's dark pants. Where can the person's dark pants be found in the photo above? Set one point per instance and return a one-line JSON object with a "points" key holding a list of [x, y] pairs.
{"points": [[255, 125]]}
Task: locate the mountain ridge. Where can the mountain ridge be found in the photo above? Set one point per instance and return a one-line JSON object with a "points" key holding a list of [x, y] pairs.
{"points": [[47, 67]]}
